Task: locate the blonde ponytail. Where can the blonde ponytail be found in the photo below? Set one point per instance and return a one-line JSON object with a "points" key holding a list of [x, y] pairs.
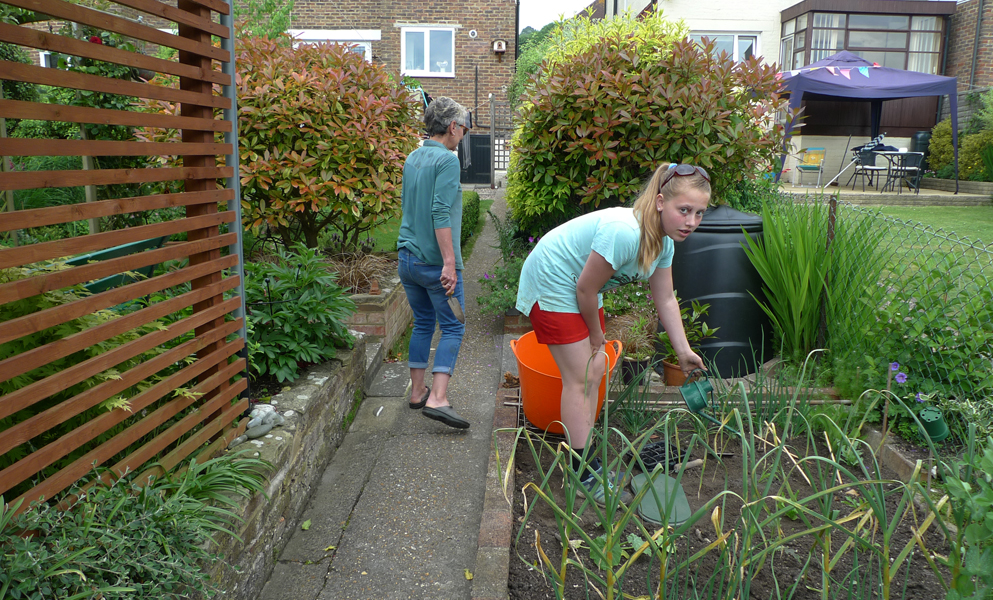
{"points": [[650, 219]]}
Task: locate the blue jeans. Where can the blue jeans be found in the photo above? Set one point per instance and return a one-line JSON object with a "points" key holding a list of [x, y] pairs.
{"points": [[429, 302]]}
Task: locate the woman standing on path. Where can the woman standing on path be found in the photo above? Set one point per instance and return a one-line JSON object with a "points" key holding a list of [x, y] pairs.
{"points": [[563, 279], [430, 255]]}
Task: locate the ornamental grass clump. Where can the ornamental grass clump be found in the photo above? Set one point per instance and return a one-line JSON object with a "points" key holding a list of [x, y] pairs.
{"points": [[148, 538], [612, 102]]}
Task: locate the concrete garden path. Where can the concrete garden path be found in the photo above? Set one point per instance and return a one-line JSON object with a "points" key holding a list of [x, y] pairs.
{"points": [[398, 511]]}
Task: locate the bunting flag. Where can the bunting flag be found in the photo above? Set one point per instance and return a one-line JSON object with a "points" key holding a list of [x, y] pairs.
{"points": [[864, 71], [794, 73], [831, 70], [846, 72]]}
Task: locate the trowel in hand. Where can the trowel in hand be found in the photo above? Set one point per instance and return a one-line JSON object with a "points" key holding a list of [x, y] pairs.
{"points": [[453, 303]]}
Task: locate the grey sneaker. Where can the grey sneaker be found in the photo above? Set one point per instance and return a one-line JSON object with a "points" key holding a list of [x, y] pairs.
{"points": [[592, 488]]}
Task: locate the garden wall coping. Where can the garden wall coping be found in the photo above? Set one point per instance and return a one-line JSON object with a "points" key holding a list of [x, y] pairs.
{"points": [[965, 187], [316, 409]]}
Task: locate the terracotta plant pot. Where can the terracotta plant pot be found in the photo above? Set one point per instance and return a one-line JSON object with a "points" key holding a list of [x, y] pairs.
{"points": [[673, 375]]}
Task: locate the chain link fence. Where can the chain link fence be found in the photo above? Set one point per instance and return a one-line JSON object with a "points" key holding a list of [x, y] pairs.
{"points": [[906, 293]]}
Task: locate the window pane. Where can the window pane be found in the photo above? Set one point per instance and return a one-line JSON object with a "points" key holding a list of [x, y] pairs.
{"points": [[414, 49], [746, 47], [786, 53], [895, 60], [877, 39], [925, 23], [924, 42], [816, 55], [829, 20], [440, 60], [923, 63], [788, 27], [798, 60], [801, 22], [800, 39], [828, 39], [722, 43], [878, 22]]}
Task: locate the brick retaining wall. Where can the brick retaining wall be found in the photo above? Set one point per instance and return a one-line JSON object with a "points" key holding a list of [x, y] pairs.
{"points": [[385, 315], [315, 408]]}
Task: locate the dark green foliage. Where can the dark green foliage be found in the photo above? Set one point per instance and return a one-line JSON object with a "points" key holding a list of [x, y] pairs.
{"points": [[470, 214], [913, 326], [126, 540], [600, 123], [971, 556], [500, 284], [53, 130], [297, 312], [16, 90]]}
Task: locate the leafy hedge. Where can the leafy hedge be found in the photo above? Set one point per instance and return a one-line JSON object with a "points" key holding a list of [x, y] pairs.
{"points": [[605, 112], [323, 138], [971, 147], [470, 214]]}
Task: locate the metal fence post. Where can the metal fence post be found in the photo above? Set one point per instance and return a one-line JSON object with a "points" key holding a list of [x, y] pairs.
{"points": [[492, 142], [234, 182]]}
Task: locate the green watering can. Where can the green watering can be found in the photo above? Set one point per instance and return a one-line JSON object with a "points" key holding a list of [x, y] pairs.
{"points": [[695, 394]]}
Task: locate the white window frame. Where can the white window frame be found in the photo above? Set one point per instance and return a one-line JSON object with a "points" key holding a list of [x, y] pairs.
{"points": [[363, 38], [426, 29], [756, 52], [45, 59]]}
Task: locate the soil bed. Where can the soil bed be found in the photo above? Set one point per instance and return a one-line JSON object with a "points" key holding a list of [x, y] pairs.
{"points": [[774, 580]]}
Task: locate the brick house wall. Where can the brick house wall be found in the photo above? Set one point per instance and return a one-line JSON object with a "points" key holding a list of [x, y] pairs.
{"points": [[962, 41], [490, 19]]}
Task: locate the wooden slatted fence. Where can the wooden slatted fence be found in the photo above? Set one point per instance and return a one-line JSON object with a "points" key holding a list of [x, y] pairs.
{"points": [[149, 370]]}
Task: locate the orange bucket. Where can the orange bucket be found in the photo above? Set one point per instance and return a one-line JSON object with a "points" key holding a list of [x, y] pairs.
{"points": [[541, 381]]}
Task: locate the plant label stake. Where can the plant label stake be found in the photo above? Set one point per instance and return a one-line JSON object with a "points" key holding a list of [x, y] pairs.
{"points": [[695, 394]]}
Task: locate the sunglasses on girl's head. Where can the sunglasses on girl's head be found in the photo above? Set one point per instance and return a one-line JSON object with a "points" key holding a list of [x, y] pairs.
{"points": [[683, 170]]}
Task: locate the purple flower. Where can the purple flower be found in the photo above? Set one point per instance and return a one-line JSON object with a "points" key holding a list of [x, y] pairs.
{"points": [[486, 275], [531, 239], [918, 397], [894, 366], [901, 377]]}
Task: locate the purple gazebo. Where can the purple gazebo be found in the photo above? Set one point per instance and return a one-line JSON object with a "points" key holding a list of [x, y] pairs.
{"points": [[845, 76]]}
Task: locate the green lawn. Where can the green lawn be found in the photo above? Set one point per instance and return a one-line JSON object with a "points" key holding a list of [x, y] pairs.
{"points": [[970, 222]]}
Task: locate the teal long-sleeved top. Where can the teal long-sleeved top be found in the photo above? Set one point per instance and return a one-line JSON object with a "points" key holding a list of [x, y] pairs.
{"points": [[431, 199]]}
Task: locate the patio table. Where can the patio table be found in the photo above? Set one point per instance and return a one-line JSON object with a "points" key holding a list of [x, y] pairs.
{"points": [[899, 167]]}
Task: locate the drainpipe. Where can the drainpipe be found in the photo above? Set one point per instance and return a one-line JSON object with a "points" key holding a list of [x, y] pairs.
{"points": [[944, 64], [975, 44], [517, 34]]}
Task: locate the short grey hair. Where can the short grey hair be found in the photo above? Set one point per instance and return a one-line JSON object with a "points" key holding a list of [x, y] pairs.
{"points": [[441, 113]]}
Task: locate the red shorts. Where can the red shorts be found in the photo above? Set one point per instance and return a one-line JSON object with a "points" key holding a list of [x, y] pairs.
{"points": [[560, 327]]}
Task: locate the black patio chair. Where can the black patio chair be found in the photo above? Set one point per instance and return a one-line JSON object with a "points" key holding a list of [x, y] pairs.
{"points": [[865, 167], [907, 168]]}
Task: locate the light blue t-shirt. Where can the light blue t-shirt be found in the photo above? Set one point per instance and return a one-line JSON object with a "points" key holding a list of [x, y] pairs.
{"points": [[551, 271]]}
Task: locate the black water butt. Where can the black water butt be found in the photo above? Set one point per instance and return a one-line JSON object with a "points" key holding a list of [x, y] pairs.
{"points": [[711, 267]]}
